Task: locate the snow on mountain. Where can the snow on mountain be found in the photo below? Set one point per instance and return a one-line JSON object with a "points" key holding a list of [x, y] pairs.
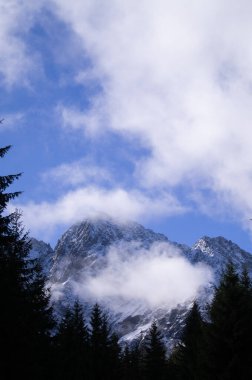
{"points": [[217, 252], [125, 267], [44, 253], [85, 244]]}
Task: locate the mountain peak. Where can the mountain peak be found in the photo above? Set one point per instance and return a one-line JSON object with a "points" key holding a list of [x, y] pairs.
{"points": [[212, 245], [83, 252], [218, 251], [91, 239], [43, 252], [98, 233]]}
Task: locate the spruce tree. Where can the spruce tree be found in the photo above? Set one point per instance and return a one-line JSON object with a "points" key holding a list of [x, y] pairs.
{"points": [[132, 363], [229, 332], [137, 361], [126, 363], [5, 198], [25, 318], [105, 351], [99, 342], [72, 345], [244, 327], [155, 354], [114, 357], [187, 358]]}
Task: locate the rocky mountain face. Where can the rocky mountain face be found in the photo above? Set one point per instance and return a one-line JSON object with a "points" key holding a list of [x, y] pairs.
{"points": [[44, 253], [84, 250], [86, 244]]}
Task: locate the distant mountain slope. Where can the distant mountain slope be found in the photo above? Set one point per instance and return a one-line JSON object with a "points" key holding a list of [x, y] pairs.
{"points": [[44, 253], [217, 252], [83, 243], [84, 251]]}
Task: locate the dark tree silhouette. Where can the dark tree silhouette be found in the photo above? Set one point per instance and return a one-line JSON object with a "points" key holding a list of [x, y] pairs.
{"points": [[25, 318], [229, 333], [132, 363], [186, 361], [99, 343], [72, 345], [155, 354], [114, 357]]}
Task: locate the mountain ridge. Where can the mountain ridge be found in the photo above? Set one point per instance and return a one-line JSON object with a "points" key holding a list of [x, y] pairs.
{"points": [[84, 255]]}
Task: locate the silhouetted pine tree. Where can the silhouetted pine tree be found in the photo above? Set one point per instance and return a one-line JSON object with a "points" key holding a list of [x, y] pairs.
{"points": [[132, 363], [173, 370], [137, 361], [186, 361], [114, 358], [72, 346], [126, 363], [5, 198], [229, 333], [25, 318], [154, 360], [99, 343]]}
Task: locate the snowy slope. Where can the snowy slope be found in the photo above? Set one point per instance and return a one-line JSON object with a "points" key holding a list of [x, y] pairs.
{"points": [[85, 244], [44, 253], [82, 253], [217, 252]]}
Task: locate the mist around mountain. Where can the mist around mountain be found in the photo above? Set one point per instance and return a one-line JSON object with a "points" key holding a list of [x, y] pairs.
{"points": [[137, 275], [115, 301]]}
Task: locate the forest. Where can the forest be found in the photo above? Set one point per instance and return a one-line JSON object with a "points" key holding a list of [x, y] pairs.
{"points": [[35, 344]]}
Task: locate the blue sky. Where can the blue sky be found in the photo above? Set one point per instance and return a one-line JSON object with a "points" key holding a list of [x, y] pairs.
{"points": [[138, 110]]}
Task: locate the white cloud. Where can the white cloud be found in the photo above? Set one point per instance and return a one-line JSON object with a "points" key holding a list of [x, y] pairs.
{"points": [[148, 278], [12, 121], [177, 76], [78, 204], [89, 122], [17, 61], [76, 173]]}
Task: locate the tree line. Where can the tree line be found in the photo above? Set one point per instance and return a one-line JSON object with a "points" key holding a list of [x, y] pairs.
{"points": [[36, 346]]}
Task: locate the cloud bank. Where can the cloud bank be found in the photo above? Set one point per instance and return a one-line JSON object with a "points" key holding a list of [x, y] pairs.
{"points": [[79, 204], [177, 77], [18, 63], [157, 277], [174, 78], [76, 173]]}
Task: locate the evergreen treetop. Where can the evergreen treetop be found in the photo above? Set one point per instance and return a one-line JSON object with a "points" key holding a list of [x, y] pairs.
{"points": [[155, 354], [229, 332], [26, 317]]}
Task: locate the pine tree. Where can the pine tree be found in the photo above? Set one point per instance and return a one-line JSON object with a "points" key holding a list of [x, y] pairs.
{"points": [[244, 327], [155, 354], [126, 364], [99, 342], [5, 198], [114, 356], [72, 345], [25, 318], [132, 363], [137, 361], [104, 348], [187, 358], [229, 333]]}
